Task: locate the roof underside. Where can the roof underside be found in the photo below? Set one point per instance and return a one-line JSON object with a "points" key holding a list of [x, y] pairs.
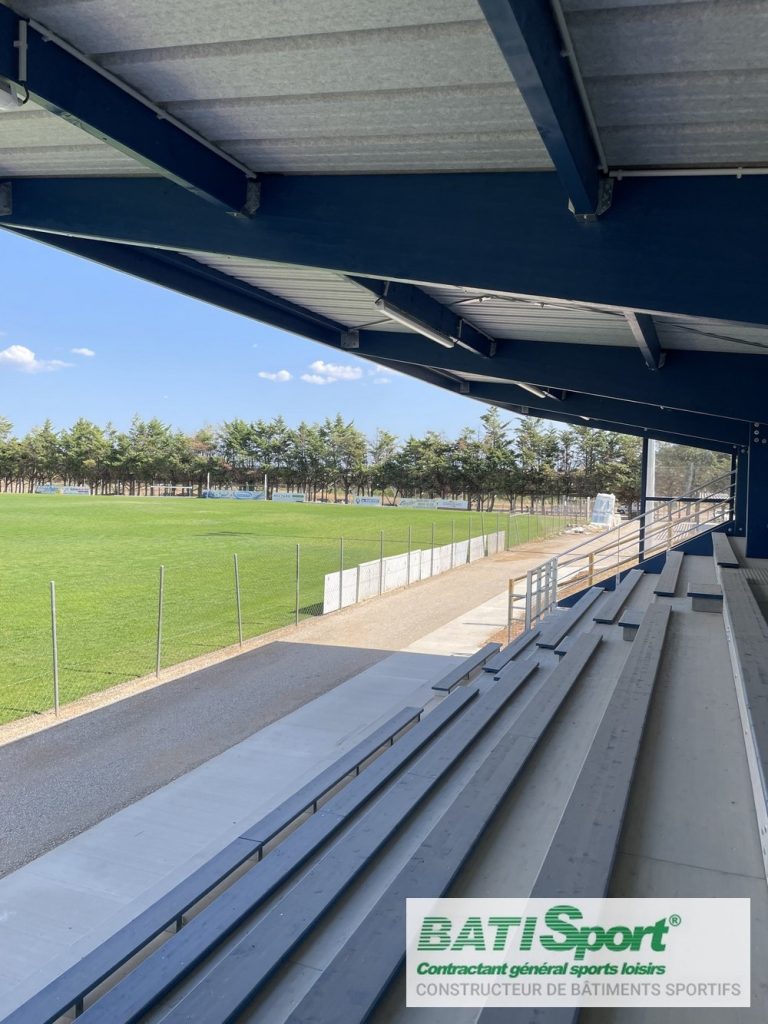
{"points": [[573, 90]]}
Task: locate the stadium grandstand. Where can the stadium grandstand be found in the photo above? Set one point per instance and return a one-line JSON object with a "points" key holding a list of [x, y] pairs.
{"points": [[558, 207]]}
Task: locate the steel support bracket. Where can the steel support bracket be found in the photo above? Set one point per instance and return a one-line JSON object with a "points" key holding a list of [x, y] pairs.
{"points": [[604, 200], [350, 340]]}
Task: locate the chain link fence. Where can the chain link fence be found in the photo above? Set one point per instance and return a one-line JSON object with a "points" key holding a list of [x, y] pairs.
{"points": [[77, 635]]}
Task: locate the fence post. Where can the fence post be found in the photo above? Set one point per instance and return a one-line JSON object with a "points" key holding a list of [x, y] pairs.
{"points": [[381, 562], [453, 541], [160, 595], [298, 578], [55, 650], [237, 600], [482, 534], [408, 576], [498, 531], [469, 537], [432, 554], [341, 570], [510, 609]]}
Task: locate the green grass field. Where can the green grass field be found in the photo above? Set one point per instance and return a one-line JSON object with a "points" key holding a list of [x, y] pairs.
{"points": [[104, 555]]}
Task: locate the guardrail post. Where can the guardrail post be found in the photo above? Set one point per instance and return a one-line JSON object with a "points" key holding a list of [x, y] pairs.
{"points": [[237, 600], [160, 597], [528, 598], [341, 570], [669, 525], [510, 609], [298, 579], [381, 562], [55, 650]]}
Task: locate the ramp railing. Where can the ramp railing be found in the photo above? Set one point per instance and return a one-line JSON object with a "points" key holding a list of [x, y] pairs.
{"points": [[668, 523]]}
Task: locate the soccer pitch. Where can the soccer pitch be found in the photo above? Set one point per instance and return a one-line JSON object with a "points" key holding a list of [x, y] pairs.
{"points": [[104, 555]]}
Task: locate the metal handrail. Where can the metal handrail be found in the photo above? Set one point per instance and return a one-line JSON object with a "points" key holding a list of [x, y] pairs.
{"points": [[646, 535]]}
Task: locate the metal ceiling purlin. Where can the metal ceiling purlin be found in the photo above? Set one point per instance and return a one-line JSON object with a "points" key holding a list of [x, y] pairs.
{"points": [[654, 251], [529, 39], [70, 86], [644, 332], [434, 314]]}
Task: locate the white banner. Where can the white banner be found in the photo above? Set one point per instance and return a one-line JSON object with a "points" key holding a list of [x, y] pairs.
{"points": [[287, 496], [418, 503], [363, 500], [578, 952]]}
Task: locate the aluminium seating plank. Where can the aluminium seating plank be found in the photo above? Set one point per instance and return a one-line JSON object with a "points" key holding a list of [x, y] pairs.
{"points": [[496, 663], [452, 679], [748, 643], [553, 631], [723, 552], [618, 598], [69, 988], [149, 980], [667, 584], [580, 858], [375, 951], [233, 981]]}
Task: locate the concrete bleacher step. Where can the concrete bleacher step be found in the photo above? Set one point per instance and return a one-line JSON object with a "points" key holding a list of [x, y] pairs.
{"points": [[234, 980], [667, 584], [749, 656], [463, 670], [373, 953], [148, 983], [564, 621], [496, 663], [618, 598], [591, 823], [73, 985], [723, 552]]}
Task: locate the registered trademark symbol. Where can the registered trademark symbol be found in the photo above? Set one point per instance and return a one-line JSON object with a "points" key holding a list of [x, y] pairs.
{"points": [[675, 920]]}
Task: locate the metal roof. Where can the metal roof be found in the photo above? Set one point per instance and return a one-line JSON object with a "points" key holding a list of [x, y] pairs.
{"points": [[326, 87], [335, 131], [675, 84]]}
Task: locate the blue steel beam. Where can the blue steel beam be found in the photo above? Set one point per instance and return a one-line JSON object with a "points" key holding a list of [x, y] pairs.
{"points": [[644, 332], [687, 246], [529, 39], [187, 277], [72, 87], [591, 407], [558, 412], [709, 383]]}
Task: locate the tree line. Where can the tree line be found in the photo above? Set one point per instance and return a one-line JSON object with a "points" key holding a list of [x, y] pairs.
{"points": [[527, 462]]}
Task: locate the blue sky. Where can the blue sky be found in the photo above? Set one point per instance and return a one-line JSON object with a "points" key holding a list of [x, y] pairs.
{"points": [[77, 339]]}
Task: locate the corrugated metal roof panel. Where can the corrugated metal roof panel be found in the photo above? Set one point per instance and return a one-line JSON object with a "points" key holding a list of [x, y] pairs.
{"points": [[285, 86], [675, 83], [320, 291]]}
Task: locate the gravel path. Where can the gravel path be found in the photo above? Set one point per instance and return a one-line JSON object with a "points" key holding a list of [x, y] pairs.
{"points": [[58, 781]]}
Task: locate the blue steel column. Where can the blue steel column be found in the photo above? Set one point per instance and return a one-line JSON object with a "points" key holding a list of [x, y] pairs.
{"points": [[757, 493], [741, 465], [643, 496]]}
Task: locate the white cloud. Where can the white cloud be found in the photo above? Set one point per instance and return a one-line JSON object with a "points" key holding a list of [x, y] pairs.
{"points": [[82, 352], [381, 380], [19, 357], [384, 370], [281, 376], [314, 378], [336, 371]]}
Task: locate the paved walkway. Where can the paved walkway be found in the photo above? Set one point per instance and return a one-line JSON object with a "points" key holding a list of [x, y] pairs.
{"points": [[60, 781]]}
